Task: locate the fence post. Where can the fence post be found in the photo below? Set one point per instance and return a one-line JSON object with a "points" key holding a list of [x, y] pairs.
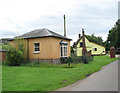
{"points": [[69, 61]]}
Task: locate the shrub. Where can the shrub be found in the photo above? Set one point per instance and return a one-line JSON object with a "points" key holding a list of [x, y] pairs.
{"points": [[15, 55], [47, 65]]}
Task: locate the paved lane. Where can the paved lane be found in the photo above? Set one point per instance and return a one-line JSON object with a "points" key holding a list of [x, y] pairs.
{"points": [[104, 80]]}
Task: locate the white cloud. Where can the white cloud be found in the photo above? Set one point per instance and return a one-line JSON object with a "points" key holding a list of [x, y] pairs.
{"points": [[73, 37], [20, 16]]}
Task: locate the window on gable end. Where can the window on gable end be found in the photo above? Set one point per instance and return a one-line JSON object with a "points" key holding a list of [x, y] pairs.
{"points": [[81, 44]]}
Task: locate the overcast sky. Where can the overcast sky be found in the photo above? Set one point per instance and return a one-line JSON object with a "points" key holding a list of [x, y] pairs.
{"points": [[95, 16]]}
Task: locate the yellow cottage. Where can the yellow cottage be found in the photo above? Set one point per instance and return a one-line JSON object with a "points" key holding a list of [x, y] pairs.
{"points": [[94, 48], [45, 45]]}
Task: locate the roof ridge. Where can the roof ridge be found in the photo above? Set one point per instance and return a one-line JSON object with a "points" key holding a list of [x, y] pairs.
{"points": [[47, 31], [56, 33]]}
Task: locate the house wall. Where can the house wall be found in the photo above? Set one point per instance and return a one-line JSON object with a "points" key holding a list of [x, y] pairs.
{"points": [[2, 56], [100, 49], [56, 47], [49, 48], [90, 46]]}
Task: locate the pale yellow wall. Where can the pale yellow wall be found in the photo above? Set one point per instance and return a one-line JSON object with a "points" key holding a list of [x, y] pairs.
{"points": [[100, 49], [90, 46], [79, 51], [49, 47]]}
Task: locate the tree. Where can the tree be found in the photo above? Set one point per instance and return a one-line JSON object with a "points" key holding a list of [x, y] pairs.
{"points": [[118, 28], [113, 38], [96, 39], [107, 45]]}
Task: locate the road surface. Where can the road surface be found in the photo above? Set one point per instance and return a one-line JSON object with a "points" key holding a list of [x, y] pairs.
{"points": [[104, 80]]}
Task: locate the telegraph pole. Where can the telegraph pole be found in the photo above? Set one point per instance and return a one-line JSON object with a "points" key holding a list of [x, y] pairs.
{"points": [[64, 26]]}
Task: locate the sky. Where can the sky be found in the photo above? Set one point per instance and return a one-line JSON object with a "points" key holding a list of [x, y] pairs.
{"points": [[94, 16]]}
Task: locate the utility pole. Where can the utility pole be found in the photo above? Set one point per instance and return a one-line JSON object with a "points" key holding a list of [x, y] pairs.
{"points": [[64, 26]]}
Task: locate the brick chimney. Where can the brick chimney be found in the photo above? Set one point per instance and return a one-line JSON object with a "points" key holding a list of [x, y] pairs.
{"points": [[84, 50], [83, 33], [79, 35]]}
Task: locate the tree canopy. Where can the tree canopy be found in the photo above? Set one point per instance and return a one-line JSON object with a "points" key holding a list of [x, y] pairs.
{"points": [[96, 39], [113, 38]]}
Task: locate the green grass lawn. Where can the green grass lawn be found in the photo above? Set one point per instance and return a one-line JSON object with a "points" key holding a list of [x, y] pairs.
{"points": [[48, 79]]}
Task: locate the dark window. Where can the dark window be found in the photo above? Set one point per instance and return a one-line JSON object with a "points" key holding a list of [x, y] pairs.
{"points": [[36, 46], [95, 49], [90, 51], [37, 49], [81, 44]]}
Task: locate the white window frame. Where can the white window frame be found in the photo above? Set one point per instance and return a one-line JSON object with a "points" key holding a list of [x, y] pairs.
{"points": [[36, 47], [63, 50]]}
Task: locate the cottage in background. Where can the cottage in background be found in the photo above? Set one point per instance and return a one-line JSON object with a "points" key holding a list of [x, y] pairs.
{"points": [[94, 48]]}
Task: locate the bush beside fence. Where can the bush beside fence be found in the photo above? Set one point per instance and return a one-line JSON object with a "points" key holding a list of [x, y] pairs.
{"points": [[76, 59]]}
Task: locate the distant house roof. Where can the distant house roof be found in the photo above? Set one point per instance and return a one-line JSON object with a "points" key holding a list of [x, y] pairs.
{"points": [[4, 40], [75, 44], [41, 33], [2, 50]]}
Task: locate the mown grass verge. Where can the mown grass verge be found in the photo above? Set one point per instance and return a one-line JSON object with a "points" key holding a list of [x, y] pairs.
{"points": [[40, 78]]}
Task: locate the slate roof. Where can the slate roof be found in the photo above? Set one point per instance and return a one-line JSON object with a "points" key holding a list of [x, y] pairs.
{"points": [[4, 40], [41, 33]]}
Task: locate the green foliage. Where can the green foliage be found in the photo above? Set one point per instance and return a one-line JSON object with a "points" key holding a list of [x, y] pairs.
{"points": [[113, 38], [19, 44], [107, 45], [71, 49], [15, 55], [96, 39], [48, 79]]}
